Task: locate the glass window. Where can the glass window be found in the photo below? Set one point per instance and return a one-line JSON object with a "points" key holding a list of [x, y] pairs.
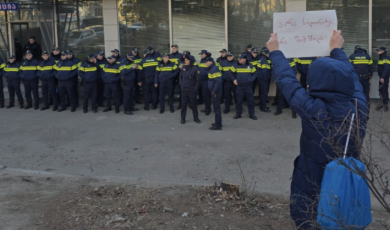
{"points": [[3, 36], [144, 23], [198, 25], [250, 22], [76, 17], [380, 27], [352, 16]]}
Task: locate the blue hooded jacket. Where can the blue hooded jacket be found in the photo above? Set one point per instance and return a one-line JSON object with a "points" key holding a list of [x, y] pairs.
{"points": [[334, 94], [189, 76]]}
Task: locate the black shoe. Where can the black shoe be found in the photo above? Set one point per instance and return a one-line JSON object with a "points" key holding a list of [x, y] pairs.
{"points": [[1, 106], [27, 107], [107, 109], [172, 110], [146, 108], [161, 111], [265, 110], [199, 102], [226, 111], [85, 110], [267, 101], [9, 106], [94, 110], [278, 112], [138, 102], [294, 115], [203, 110], [231, 103], [213, 124], [274, 103], [253, 117], [101, 105], [178, 107], [197, 120], [386, 108], [117, 110], [286, 106], [154, 107], [77, 105], [237, 116], [73, 110], [256, 103], [44, 108], [21, 106], [55, 108], [60, 110], [215, 128], [183, 121], [134, 109], [36, 107], [128, 112], [207, 113]]}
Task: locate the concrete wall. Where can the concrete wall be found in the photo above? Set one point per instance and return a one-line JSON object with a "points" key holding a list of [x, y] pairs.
{"points": [[111, 25]]}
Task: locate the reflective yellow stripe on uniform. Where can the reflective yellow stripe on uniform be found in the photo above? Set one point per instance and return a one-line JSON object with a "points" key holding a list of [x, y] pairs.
{"points": [[159, 59], [175, 60], [75, 66], [215, 75], [108, 70], [9, 69], [28, 68], [264, 66], [244, 70], [64, 68], [125, 67], [148, 64], [228, 68], [304, 62], [43, 68], [137, 61], [202, 65], [360, 61], [88, 69], [2, 65], [382, 62], [292, 63]]}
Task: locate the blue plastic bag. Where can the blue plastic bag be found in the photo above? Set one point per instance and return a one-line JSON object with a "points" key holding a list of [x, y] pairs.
{"points": [[345, 197]]}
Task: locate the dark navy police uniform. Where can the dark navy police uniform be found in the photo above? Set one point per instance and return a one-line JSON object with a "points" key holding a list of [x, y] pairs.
{"points": [[164, 77], [29, 74], [111, 86], [49, 83], [189, 84], [11, 74], [129, 79], [146, 74], [89, 72], [215, 88], [65, 72]]}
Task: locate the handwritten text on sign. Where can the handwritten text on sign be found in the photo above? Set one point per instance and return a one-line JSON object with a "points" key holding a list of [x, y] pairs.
{"points": [[305, 34]]}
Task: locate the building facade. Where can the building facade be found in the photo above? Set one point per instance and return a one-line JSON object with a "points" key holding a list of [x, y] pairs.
{"points": [[86, 26]]}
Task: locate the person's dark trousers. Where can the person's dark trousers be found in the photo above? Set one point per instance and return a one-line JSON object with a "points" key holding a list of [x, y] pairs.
{"points": [[303, 81], [245, 91], [137, 91], [128, 91], [120, 91], [200, 95], [384, 91], [76, 90], [279, 99], [176, 82], [49, 91], [166, 88], [89, 92], [148, 88], [51, 97], [100, 91], [216, 101], [228, 88], [66, 89], [189, 98], [31, 86], [263, 91], [1, 92], [14, 88], [365, 81], [254, 88], [206, 95], [112, 93], [223, 94]]}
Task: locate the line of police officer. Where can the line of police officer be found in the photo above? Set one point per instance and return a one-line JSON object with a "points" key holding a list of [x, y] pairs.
{"points": [[120, 79]]}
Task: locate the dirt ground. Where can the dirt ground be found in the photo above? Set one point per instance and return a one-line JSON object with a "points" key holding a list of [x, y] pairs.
{"points": [[47, 201]]}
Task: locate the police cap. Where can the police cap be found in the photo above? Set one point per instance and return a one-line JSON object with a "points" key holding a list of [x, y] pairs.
{"points": [[165, 55], [254, 50], [230, 54], [249, 46], [130, 55], [28, 52], [209, 59], [45, 52], [112, 57], [186, 53], [69, 52], [135, 49], [12, 57], [382, 48], [242, 56], [115, 51], [90, 56], [56, 48], [175, 46], [203, 52], [100, 52], [223, 50]]}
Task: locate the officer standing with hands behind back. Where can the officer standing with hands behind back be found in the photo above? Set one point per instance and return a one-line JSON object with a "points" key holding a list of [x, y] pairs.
{"points": [[29, 74], [215, 88]]}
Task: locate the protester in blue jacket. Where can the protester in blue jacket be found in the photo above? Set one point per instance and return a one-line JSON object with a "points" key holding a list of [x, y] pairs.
{"points": [[334, 94], [49, 82], [89, 72], [146, 75], [128, 75], [164, 77], [111, 78], [215, 88], [65, 72], [12, 75], [29, 74]]}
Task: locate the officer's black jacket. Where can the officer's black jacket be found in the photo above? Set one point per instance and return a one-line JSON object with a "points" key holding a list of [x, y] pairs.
{"points": [[189, 77]]}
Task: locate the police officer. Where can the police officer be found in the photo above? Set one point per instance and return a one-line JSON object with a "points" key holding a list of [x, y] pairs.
{"points": [[263, 78], [29, 74], [228, 78], [111, 78], [244, 78], [215, 87], [189, 83], [2, 65], [248, 52], [147, 72], [101, 61], [218, 62], [156, 55], [203, 78], [65, 72], [176, 58], [137, 89], [11, 73], [384, 74], [76, 64], [118, 58], [303, 64], [254, 60], [128, 75], [363, 65], [279, 98], [164, 77], [88, 73], [48, 80], [56, 54]]}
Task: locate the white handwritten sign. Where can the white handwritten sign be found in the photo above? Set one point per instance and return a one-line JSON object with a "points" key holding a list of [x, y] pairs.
{"points": [[305, 34]]}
